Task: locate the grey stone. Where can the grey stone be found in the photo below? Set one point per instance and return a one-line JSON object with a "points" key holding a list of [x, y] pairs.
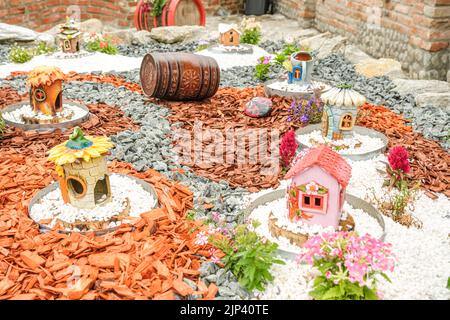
{"points": [[325, 44], [439, 100], [190, 283], [10, 32], [226, 292], [355, 55], [174, 34], [416, 87], [91, 25], [124, 35], [142, 37]]}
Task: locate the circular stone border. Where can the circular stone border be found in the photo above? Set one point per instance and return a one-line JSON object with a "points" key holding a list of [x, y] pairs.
{"points": [[43, 192], [242, 49], [46, 126], [355, 202], [358, 129], [270, 92]]}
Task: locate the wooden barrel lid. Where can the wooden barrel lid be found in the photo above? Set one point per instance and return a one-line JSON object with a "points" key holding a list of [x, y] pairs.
{"points": [[149, 74]]}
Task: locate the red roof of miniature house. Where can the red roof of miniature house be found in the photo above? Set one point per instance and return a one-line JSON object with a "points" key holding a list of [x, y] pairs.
{"points": [[328, 160]]}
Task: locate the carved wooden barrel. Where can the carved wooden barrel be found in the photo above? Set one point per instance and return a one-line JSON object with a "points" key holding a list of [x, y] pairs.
{"points": [[174, 13], [179, 76]]}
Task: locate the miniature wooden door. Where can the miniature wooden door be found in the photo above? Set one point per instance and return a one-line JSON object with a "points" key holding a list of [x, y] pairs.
{"points": [[325, 123]]}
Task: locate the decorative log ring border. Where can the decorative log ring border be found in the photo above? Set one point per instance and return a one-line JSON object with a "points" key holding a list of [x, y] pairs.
{"points": [[356, 202], [43, 228], [299, 238]]}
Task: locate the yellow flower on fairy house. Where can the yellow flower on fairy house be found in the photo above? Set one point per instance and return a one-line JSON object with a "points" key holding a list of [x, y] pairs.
{"points": [[81, 166], [46, 89]]}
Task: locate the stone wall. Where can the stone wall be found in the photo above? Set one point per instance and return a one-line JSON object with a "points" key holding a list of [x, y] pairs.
{"points": [[415, 32], [45, 14]]}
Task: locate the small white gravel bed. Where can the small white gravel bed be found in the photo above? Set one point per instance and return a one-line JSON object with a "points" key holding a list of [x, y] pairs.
{"points": [[423, 255], [230, 60], [51, 206], [27, 111], [358, 144], [95, 62]]}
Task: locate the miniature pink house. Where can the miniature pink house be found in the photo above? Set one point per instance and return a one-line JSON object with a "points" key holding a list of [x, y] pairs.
{"points": [[317, 191]]}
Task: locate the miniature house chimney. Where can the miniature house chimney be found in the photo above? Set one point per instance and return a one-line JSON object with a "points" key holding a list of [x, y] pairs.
{"points": [[84, 178], [46, 89]]}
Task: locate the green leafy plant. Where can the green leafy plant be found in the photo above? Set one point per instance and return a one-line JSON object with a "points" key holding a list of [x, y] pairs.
{"points": [[102, 44], [287, 51], [43, 48], [262, 69], [251, 31], [348, 264], [251, 36], [248, 256], [157, 7], [2, 125], [448, 283], [20, 54]]}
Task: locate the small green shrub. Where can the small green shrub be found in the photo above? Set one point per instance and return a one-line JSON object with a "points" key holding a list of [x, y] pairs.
{"points": [[251, 36], [43, 48], [262, 69], [20, 54], [248, 256], [102, 44], [157, 7], [2, 125]]}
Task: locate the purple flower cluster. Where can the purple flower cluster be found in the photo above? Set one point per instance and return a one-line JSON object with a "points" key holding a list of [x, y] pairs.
{"points": [[305, 111]]}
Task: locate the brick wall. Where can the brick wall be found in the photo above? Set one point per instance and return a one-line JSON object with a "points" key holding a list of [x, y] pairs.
{"points": [[42, 15], [415, 32]]}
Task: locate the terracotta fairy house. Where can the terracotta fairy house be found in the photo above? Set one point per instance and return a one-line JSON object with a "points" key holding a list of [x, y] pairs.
{"points": [[340, 111], [46, 89], [70, 37], [317, 190], [229, 35], [81, 166]]}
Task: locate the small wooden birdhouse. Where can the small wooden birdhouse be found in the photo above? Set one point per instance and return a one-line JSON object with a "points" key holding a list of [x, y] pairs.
{"points": [[317, 190], [70, 37], [229, 35], [81, 166], [46, 89], [340, 111]]}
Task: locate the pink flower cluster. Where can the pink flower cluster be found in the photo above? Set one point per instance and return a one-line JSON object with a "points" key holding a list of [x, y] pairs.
{"points": [[398, 159], [359, 257]]}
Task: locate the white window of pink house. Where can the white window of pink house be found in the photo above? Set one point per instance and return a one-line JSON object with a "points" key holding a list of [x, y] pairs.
{"points": [[314, 202]]}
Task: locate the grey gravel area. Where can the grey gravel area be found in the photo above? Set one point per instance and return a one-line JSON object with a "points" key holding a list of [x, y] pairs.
{"points": [[139, 50], [4, 53]]}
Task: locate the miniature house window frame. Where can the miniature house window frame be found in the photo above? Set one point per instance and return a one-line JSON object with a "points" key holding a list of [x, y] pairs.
{"points": [[67, 45], [39, 94], [311, 206], [231, 36], [346, 123], [81, 181]]}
